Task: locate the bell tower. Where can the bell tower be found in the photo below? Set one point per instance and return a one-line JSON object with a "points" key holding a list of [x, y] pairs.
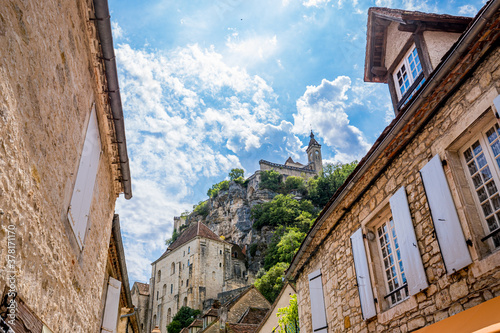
{"points": [[314, 158]]}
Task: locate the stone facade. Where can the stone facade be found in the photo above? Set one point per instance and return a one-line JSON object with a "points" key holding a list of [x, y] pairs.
{"points": [[443, 122], [51, 78], [140, 299], [194, 269]]}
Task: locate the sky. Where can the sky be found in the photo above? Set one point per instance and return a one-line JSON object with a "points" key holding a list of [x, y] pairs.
{"points": [[208, 86]]}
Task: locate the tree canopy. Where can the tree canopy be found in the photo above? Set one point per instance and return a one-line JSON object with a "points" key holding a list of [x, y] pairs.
{"points": [[183, 318], [234, 174], [270, 284]]}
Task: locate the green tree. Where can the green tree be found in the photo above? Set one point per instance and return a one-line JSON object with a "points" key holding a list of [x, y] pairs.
{"points": [[293, 183], [216, 188], [202, 208], [236, 173], [172, 239], [288, 317], [321, 189], [282, 210], [270, 284], [283, 245], [183, 318], [271, 180]]}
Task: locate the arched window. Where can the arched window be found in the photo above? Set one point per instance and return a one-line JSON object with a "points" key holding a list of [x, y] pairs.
{"points": [[164, 290], [169, 315], [187, 283], [159, 276], [213, 275], [185, 302], [172, 268], [220, 264]]}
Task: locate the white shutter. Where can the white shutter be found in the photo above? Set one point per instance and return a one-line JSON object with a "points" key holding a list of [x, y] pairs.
{"points": [[317, 303], [448, 229], [85, 179], [412, 262], [362, 275], [110, 316]]}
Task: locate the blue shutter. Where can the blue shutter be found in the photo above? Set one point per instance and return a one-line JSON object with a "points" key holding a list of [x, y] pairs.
{"points": [[412, 262], [448, 229], [362, 275]]}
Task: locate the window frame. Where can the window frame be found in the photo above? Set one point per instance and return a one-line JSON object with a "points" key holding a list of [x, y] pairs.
{"points": [[495, 173], [411, 78]]}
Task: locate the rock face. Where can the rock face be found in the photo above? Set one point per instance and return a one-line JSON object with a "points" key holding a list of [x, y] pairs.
{"points": [[229, 215]]}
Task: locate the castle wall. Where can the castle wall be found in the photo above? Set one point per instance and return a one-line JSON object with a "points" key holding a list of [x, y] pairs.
{"points": [[50, 79]]}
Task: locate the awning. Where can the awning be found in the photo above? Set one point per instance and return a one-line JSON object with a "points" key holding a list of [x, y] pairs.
{"points": [[483, 318]]}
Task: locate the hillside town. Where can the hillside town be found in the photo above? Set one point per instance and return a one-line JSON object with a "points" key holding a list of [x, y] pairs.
{"points": [[403, 237]]}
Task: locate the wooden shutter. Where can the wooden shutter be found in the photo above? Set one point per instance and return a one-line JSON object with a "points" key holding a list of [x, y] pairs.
{"points": [[412, 261], [110, 316], [317, 303], [448, 229], [81, 199], [362, 275]]}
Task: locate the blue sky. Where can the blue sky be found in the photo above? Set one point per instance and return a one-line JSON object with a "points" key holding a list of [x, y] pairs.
{"points": [[208, 86]]}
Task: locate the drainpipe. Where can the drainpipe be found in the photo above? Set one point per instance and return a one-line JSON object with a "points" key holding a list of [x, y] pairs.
{"points": [[104, 30]]}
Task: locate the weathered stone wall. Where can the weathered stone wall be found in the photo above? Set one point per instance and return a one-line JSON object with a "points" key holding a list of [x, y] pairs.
{"points": [[141, 302], [446, 294], [47, 90]]}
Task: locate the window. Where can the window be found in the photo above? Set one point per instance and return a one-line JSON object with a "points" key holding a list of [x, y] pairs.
{"points": [[157, 295], [172, 268], [187, 283], [164, 292], [188, 262], [318, 312], [159, 276], [182, 283], [171, 288], [110, 316], [189, 249], [169, 315], [220, 252], [481, 157], [81, 199], [397, 288], [407, 73]]}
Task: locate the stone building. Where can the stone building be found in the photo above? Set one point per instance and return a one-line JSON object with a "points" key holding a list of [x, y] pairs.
{"points": [[411, 240], [63, 163], [192, 271], [269, 323], [140, 299]]}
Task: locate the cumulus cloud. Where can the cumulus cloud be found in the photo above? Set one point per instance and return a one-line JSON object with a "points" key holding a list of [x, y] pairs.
{"points": [[467, 10], [188, 116], [251, 51], [315, 3], [323, 108]]}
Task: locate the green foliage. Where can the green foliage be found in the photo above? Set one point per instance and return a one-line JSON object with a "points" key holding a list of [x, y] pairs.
{"points": [[235, 174], [283, 245], [321, 189], [253, 249], [288, 317], [172, 239], [282, 210], [216, 188], [270, 284], [271, 180], [293, 183], [184, 317], [202, 208]]}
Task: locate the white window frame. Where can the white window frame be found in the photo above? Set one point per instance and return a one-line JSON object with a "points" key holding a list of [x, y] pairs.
{"points": [[405, 62], [83, 190], [495, 172]]}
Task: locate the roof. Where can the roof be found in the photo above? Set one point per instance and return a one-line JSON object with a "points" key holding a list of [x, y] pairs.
{"points": [[289, 160], [253, 316], [241, 328], [409, 21], [195, 230], [229, 304], [211, 313], [481, 35], [184, 330], [196, 323], [313, 141], [143, 288], [303, 169]]}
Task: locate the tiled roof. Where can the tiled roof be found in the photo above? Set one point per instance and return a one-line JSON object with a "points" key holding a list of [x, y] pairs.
{"points": [[253, 316], [241, 328], [196, 323], [143, 288], [212, 313], [184, 330], [195, 230]]}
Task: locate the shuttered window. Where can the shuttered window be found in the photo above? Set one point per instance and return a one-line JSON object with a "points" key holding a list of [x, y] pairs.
{"points": [[79, 209], [110, 317], [414, 273], [318, 312], [362, 275], [444, 215]]}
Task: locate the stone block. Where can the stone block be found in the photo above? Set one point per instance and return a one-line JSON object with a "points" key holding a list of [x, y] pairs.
{"points": [[416, 323], [459, 290], [443, 299]]}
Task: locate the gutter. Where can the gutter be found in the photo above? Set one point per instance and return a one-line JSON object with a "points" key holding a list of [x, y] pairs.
{"points": [[439, 73], [104, 30]]}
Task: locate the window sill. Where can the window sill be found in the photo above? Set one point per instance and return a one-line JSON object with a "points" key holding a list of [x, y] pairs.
{"points": [[397, 310], [486, 264]]}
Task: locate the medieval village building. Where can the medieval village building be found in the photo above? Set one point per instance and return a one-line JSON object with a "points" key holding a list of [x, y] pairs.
{"points": [[411, 241], [63, 164]]}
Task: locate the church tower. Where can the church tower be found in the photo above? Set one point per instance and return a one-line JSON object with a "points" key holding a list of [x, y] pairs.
{"points": [[314, 154]]}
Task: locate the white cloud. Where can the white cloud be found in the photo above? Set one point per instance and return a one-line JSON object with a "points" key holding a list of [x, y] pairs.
{"points": [[420, 5], [315, 3], [384, 3], [250, 51], [467, 10], [117, 30], [322, 108]]}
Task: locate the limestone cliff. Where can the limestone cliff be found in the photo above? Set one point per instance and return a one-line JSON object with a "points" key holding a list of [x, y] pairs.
{"points": [[229, 215]]}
